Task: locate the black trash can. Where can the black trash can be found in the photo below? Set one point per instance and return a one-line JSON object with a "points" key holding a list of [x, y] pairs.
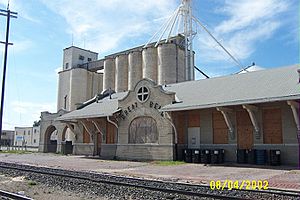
{"points": [[68, 147], [275, 157], [261, 156], [217, 156], [251, 156], [187, 155], [196, 156], [222, 155], [205, 156], [241, 156]]}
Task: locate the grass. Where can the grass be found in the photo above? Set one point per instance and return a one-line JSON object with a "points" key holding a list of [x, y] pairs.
{"points": [[168, 163], [15, 151], [31, 183]]}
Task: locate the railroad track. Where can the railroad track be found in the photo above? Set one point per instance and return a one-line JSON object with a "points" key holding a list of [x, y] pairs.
{"points": [[9, 195], [187, 190]]}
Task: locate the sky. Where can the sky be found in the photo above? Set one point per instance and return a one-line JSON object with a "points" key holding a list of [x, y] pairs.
{"points": [[262, 31]]}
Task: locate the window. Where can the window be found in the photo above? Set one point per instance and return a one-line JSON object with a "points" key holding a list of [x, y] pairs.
{"points": [[81, 57], [143, 130], [3, 133], [34, 141], [28, 132], [89, 59], [24, 132], [34, 130], [143, 94], [67, 65]]}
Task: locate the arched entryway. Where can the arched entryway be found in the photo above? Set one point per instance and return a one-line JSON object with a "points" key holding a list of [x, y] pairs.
{"points": [[143, 130], [68, 140], [51, 139]]}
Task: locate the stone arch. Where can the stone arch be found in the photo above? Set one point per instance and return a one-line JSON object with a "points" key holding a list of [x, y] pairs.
{"points": [[67, 140], [68, 135], [51, 136], [143, 130]]}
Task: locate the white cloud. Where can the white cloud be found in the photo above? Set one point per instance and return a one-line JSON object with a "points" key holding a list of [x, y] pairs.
{"points": [[246, 24], [104, 25], [21, 8], [245, 13], [31, 112]]}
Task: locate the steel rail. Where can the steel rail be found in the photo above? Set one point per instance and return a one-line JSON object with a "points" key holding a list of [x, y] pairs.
{"points": [[11, 195], [152, 188], [273, 191]]}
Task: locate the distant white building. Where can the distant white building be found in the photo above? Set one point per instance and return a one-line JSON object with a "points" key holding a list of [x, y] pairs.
{"points": [[27, 136]]}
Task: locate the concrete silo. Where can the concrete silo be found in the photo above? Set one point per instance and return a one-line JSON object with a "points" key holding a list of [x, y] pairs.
{"points": [[134, 68], [167, 64], [78, 87], [121, 73], [109, 74], [149, 65]]}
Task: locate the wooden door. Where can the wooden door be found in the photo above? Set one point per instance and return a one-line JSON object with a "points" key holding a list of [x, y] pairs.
{"points": [[244, 130], [272, 126]]}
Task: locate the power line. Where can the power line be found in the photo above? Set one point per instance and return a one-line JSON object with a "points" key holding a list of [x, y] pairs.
{"points": [[8, 14]]}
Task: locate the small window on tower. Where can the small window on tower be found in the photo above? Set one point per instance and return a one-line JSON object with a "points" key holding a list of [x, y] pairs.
{"points": [[81, 57], [67, 65], [89, 59]]}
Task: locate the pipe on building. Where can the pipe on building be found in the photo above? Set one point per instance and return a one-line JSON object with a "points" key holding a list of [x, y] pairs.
{"points": [[116, 125], [169, 119], [295, 109]]}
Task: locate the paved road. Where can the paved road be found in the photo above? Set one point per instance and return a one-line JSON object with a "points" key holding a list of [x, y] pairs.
{"points": [[279, 177]]}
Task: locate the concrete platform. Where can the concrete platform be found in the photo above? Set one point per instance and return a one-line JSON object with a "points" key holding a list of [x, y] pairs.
{"points": [[281, 177]]}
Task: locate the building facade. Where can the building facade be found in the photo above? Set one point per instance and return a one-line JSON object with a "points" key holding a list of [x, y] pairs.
{"points": [[144, 108], [27, 136], [7, 138]]}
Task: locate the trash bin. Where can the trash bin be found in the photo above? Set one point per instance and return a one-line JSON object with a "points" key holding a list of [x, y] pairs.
{"points": [[261, 156], [275, 157], [205, 156], [187, 155], [196, 156], [241, 156], [68, 147], [251, 156], [217, 156]]}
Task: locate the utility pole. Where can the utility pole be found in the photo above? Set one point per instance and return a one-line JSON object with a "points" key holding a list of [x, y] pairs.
{"points": [[8, 14]]}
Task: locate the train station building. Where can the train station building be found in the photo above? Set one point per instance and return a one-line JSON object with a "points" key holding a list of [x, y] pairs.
{"points": [[143, 105]]}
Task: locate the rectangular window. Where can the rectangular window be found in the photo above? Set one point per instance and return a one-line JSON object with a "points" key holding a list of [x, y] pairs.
{"points": [[34, 141], [67, 65], [81, 57], [89, 59], [34, 130], [24, 132], [28, 132]]}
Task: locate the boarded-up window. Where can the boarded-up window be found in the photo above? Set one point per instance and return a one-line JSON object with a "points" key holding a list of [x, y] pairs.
{"points": [[272, 126], [244, 130], [143, 130], [86, 136], [110, 133], [220, 130], [194, 119]]}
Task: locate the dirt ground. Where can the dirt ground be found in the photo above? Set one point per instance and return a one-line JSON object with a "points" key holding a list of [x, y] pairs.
{"points": [[38, 191]]}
